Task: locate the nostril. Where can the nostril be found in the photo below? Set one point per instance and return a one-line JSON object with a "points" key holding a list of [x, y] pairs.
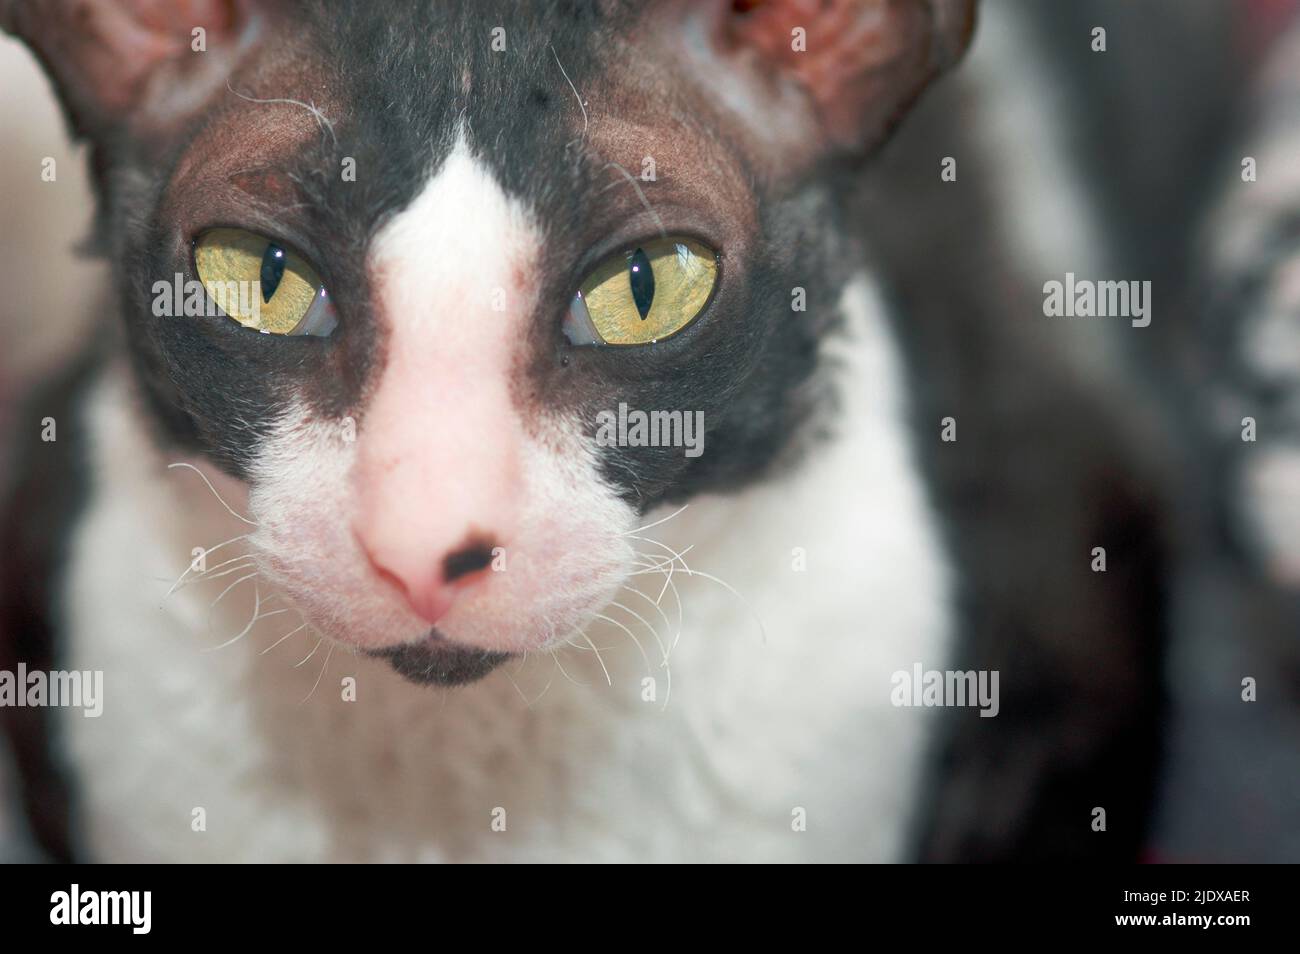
{"points": [[466, 560]]}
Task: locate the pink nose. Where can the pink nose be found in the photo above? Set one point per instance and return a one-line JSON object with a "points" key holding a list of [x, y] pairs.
{"points": [[437, 479], [430, 587]]}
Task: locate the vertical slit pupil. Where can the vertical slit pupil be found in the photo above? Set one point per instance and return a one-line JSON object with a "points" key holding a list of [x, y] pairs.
{"points": [[642, 277], [272, 270]]}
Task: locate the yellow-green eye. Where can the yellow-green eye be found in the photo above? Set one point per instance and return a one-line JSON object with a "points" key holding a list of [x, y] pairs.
{"points": [[643, 295], [263, 285]]}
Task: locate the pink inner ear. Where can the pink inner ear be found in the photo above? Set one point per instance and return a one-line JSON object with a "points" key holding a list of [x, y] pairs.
{"points": [[104, 52], [137, 36], [181, 16], [768, 25], [858, 61]]}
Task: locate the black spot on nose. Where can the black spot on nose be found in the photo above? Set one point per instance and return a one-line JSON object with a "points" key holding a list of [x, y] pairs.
{"points": [[468, 559]]}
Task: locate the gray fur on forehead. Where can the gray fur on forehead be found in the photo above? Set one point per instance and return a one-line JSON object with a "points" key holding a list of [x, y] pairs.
{"points": [[408, 60]]}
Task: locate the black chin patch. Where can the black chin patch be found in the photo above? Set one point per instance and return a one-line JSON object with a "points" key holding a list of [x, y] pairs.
{"points": [[436, 662]]}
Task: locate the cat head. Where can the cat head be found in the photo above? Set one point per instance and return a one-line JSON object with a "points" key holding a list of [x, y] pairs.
{"points": [[467, 244]]}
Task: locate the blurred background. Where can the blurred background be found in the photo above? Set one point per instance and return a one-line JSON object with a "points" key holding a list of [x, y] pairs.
{"points": [[50, 292], [1122, 163], [1153, 140]]}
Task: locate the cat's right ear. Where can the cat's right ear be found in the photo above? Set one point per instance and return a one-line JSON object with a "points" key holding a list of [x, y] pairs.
{"points": [[816, 79], [131, 67]]}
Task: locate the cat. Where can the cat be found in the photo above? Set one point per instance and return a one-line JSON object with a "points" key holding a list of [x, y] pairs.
{"points": [[427, 616]]}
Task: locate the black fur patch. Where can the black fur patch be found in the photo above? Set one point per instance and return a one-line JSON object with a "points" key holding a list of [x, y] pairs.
{"points": [[1046, 467], [436, 662]]}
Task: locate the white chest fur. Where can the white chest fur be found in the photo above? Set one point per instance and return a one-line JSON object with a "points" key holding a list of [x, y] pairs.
{"points": [[776, 748]]}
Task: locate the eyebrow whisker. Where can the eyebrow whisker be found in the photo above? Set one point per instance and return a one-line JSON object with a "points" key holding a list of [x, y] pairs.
{"points": [[576, 95], [640, 194], [321, 119]]}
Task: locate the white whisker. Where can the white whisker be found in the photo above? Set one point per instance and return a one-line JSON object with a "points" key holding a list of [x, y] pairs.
{"points": [[283, 638], [310, 654], [663, 546], [576, 95], [204, 478], [227, 590], [599, 659], [538, 697], [246, 563], [244, 632], [323, 667], [213, 549], [681, 613], [668, 580], [655, 603], [631, 636], [650, 526], [527, 704], [677, 598], [669, 562], [644, 622], [555, 657]]}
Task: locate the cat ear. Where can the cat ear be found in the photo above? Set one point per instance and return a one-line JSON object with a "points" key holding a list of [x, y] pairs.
{"points": [[834, 74], [128, 62]]}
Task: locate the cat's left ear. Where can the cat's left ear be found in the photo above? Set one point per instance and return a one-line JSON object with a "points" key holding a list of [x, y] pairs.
{"points": [[130, 65], [823, 77]]}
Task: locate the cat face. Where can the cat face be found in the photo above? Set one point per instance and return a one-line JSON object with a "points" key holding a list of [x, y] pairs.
{"points": [[479, 234]]}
